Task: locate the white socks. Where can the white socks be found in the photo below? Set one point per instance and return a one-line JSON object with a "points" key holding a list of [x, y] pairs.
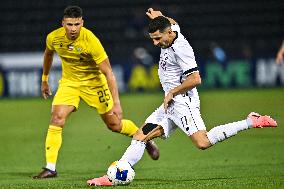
{"points": [[222, 132], [134, 152], [50, 166]]}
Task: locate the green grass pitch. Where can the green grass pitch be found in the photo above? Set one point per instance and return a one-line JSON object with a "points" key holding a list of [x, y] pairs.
{"points": [[252, 159]]}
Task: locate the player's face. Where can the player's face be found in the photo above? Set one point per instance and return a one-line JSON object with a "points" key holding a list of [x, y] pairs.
{"points": [[72, 27], [162, 39]]}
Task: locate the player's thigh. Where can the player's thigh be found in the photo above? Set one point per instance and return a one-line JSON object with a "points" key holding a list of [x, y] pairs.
{"points": [[67, 95], [63, 110], [187, 117], [98, 97]]}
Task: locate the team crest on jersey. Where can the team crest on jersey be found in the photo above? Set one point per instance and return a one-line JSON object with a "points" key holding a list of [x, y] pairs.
{"points": [[70, 47]]}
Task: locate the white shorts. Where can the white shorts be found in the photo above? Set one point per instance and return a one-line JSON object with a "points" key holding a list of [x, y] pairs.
{"points": [[184, 113]]}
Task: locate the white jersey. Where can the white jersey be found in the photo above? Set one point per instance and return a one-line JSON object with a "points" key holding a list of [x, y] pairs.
{"points": [[176, 63]]}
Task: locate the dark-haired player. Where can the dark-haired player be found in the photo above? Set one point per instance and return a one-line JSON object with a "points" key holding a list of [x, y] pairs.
{"points": [[179, 76], [86, 75]]}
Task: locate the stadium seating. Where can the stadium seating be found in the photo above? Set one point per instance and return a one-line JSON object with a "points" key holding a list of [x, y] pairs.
{"points": [[121, 25]]}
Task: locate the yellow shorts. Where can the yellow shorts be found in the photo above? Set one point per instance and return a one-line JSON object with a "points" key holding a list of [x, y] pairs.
{"points": [[98, 97]]}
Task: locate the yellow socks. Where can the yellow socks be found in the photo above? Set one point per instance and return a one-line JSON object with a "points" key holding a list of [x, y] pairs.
{"points": [[54, 140], [52, 145], [128, 128]]}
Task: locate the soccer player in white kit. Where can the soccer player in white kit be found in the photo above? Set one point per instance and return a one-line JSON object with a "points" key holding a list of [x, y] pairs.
{"points": [[179, 76]]}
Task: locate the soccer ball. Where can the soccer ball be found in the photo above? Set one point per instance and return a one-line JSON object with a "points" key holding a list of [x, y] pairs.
{"points": [[120, 173]]}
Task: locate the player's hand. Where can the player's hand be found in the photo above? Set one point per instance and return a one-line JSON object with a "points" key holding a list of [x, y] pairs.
{"points": [[279, 57], [280, 54], [45, 90], [151, 13], [168, 100]]}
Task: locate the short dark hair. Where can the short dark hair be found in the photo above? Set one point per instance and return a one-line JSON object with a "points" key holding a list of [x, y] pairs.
{"points": [[158, 23], [73, 12]]}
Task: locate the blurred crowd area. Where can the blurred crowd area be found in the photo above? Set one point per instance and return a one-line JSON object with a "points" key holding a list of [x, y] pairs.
{"points": [[217, 29]]}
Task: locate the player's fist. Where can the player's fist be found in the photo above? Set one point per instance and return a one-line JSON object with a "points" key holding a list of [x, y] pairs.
{"points": [[168, 100], [151, 13]]}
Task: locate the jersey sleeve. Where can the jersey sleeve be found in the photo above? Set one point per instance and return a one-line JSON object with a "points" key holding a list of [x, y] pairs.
{"points": [[185, 58], [97, 50], [175, 27], [49, 40]]}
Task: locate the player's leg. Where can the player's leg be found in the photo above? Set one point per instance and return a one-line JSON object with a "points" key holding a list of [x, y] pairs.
{"points": [[135, 150], [64, 102], [186, 115], [200, 140], [156, 125], [128, 128], [204, 140], [254, 120], [101, 99], [54, 139], [105, 107], [124, 126], [53, 142]]}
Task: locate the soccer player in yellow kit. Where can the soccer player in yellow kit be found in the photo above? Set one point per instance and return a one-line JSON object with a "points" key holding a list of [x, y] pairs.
{"points": [[87, 75]]}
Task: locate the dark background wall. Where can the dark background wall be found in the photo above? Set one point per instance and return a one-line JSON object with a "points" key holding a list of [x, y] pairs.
{"points": [[243, 28]]}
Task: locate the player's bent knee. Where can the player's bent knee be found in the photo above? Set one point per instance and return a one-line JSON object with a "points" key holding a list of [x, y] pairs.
{"points": [[114, 127], [57, 119], [202, 144], [200, 140]]}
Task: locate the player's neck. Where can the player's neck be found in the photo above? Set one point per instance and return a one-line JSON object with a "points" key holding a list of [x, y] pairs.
{"points": [[173, 37]]}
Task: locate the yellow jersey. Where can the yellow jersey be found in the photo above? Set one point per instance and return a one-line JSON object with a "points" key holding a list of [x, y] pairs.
{"points": [[80, 57]]}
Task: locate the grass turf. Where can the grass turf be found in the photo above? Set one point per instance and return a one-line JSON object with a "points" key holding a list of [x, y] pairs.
{"points": [[253, 159]]}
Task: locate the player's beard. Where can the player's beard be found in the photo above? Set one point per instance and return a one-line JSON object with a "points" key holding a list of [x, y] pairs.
{"points": [[164, 46]]}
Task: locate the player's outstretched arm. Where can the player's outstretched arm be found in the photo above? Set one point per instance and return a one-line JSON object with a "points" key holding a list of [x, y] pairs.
{"points": [[151, 13], [280, 54]]}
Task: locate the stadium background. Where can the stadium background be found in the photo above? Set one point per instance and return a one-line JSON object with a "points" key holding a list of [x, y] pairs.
{"points": [[235, 43]]}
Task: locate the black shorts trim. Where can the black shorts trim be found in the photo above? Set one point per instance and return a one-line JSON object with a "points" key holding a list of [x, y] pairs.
{"points": [[190, 71]]}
